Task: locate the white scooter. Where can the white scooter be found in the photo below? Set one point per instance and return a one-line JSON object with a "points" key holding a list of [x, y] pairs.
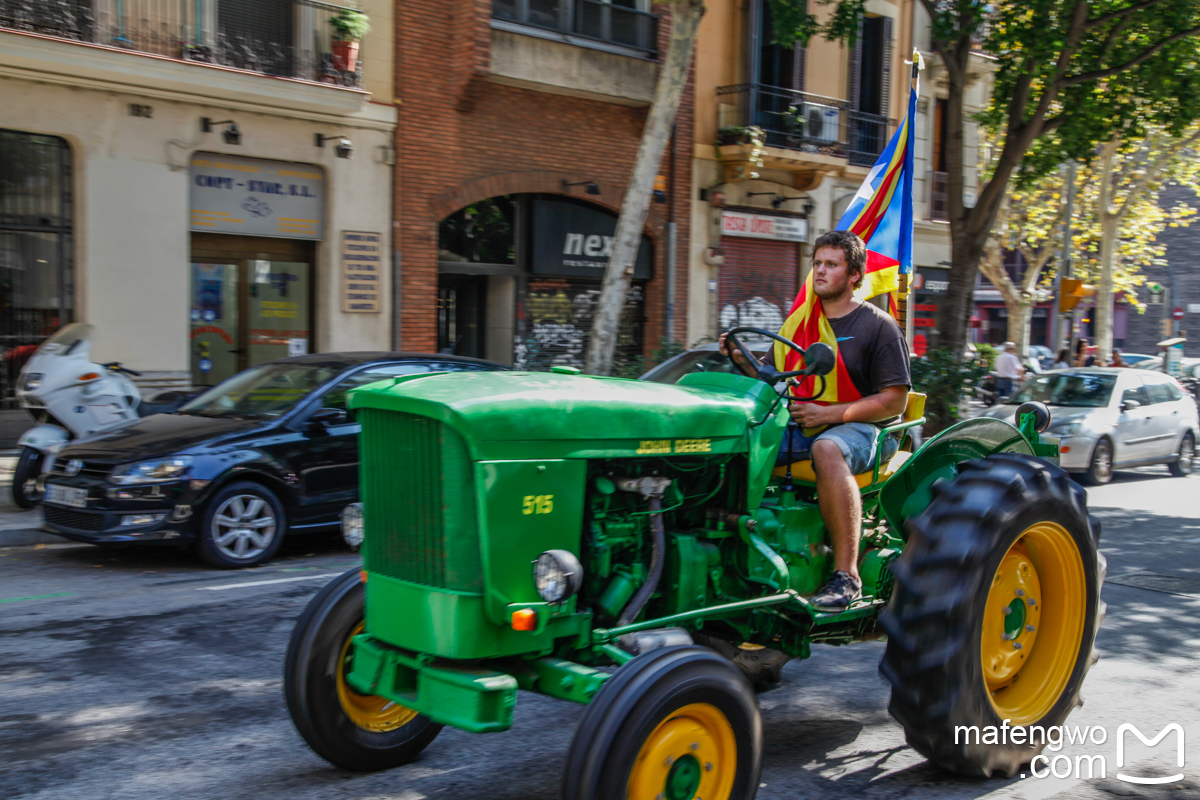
{"points": [[70, 396]]}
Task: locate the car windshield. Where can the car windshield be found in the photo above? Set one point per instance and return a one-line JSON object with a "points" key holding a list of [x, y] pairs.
{"points": [[261, 392], [1066, 389]]}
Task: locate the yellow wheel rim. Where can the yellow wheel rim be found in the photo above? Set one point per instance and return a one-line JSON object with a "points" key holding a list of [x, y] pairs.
{"points": [[369, 712], [692, 754], [1033, 623]]}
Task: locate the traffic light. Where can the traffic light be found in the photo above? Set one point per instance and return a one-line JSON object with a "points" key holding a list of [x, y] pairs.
{"points": [[1071, 291]]}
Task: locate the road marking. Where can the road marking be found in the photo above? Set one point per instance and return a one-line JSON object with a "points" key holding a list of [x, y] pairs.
{"points": [[265, 583], [35, 597]]}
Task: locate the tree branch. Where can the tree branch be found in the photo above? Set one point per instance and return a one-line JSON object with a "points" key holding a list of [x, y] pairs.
{"points": [[1121, 12], [1145, 55], [1152, 172]]}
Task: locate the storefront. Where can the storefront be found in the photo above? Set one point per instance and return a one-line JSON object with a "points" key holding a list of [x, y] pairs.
{"points": [[255, 224], [929, 289], [760, 274], [519, 277]]}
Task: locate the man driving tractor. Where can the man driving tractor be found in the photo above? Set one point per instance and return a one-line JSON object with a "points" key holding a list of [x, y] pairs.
{"points": [[867, 390]]}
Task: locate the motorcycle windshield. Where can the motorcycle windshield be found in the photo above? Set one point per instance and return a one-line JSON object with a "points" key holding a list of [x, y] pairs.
{"points": [[70, 340]]}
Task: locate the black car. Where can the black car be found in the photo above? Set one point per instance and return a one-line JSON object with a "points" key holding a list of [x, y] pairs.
{"points": [[270, 450]]}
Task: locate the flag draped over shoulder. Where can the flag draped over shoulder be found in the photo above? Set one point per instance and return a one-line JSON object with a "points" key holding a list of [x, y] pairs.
{"points": [[881, 213]]}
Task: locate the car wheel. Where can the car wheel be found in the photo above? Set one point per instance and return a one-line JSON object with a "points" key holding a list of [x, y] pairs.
{"points": [[1100, 469], [1187, 457], [242, 526]]}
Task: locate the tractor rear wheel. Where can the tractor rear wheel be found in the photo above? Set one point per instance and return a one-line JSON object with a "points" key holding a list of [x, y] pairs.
{"points": [[679, 723], [347, 729], [994, 614]]}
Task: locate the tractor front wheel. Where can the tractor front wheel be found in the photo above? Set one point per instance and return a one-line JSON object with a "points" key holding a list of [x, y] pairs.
{"points": [[994, 615], [679, 723], [347, 729]]}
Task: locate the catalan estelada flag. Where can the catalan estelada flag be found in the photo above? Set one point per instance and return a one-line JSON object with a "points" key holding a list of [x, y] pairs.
{"points": [[881, 213]]}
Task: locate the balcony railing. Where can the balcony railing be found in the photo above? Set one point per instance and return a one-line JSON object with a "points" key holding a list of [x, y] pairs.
{"points": [[609, 23], [287, 38], [938, 210], [800, 121]]}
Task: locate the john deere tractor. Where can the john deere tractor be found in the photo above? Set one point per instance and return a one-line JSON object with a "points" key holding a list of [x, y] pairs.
{"points": [[633, 547]]}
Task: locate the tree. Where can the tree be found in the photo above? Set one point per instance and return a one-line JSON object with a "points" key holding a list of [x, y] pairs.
{"points": [[672, 78], [1070, 75]]}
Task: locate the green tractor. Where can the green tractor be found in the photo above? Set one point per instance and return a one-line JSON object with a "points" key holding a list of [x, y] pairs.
{"points": [[633, 547]]}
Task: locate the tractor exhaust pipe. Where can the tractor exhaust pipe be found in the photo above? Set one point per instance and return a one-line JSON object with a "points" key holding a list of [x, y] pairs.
{"points": [[652, 488]]}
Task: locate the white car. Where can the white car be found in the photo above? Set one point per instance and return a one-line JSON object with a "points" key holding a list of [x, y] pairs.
{"points": [[1113, 418]]}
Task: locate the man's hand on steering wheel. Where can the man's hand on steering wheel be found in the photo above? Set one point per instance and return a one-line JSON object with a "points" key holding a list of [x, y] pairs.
{"points": [[819, 358]]}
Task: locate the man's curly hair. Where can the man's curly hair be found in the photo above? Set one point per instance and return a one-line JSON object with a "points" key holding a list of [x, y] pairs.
{"points": [[851, 246]]}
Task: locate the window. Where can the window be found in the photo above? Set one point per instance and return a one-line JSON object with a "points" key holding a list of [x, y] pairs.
{"points": [[336, 397], [627, 23], [36, 250], [1137, 393], [1160, 392]]}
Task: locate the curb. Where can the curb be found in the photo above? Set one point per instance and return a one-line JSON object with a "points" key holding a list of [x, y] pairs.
{"points": [[23, 537]]}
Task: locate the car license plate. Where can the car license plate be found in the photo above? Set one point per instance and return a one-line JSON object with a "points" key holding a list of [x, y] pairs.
{"points": [[66, 496]]}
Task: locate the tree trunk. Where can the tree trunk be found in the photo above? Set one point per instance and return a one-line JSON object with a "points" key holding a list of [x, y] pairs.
{"points": [[1019, 316], [672, 78], [1109, 223]]}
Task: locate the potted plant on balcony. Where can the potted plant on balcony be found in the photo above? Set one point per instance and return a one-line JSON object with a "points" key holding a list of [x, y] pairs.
{"points": [[349, 27]]}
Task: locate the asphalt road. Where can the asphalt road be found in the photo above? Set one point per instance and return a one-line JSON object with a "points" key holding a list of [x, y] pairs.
{"points": [[141, 674]]}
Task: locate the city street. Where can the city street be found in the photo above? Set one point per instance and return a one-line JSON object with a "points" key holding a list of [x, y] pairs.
{"points": [[143, 674]]}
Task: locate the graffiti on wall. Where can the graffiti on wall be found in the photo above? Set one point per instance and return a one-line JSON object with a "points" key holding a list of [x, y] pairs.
{"points": [[556, 317]]}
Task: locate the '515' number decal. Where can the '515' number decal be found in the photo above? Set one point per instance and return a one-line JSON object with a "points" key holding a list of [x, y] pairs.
{"points": [[538, 504]]}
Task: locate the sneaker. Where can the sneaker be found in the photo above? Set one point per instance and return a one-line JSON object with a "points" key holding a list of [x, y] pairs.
{"points": [[838, 594]]}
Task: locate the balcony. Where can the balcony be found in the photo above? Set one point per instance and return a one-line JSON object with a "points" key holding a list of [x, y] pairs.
{"points": [[613, 26], [823, 127], [283, 38]]}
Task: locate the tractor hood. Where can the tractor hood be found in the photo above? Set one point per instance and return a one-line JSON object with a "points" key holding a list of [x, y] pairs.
{"points": [[513, 415]]}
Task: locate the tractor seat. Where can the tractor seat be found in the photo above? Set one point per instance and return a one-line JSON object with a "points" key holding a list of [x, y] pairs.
{"points": [[913, 411], [803, 470]]}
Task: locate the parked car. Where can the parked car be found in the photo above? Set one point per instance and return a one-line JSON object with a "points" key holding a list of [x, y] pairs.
{"points": [[270, 450], [1110, 418], [1133, 359]]}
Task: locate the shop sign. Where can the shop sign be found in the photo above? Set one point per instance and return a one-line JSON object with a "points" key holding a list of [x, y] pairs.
{"points": [[257, 197], [362, 271], [761, 226], [930, 280], [573, 239]]}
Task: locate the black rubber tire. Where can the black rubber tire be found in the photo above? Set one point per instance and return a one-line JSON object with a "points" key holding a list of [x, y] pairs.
{"points": [[29, 466], [206, 546], [642, 694], [309, 685], [1095, 475], [1177, 467], [934, 619], [762, 666]]}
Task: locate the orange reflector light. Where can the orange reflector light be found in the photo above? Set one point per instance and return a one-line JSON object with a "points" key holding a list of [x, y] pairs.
{"points": [[362, 574], [524, 620], [1065, 449], [89, 376]]}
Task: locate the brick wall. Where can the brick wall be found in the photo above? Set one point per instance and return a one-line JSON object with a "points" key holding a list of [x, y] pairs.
{"points": [[462, 138]]}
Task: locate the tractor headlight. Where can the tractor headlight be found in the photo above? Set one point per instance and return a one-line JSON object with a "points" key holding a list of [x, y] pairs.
{"points": [[352, 525], [557, 575]]}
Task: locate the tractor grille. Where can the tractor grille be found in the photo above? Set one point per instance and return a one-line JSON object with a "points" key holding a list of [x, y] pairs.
{"points": [[418, 495]]}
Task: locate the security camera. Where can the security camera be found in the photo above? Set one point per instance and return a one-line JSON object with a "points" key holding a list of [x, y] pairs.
{"points": [[343, 148]]}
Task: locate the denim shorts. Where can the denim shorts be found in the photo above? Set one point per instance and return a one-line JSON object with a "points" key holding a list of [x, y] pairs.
{"points": [[856, 440]]}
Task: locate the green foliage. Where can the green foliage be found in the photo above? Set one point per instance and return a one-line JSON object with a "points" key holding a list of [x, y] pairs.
{"points": [[794, 24], [350, 25], [946, 378], [987, 354]]}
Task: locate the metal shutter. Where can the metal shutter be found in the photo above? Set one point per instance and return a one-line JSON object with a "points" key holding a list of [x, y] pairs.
{"points": [[759, 281]]}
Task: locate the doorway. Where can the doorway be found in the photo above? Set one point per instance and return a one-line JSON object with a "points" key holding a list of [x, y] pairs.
{"points": [[462, 314], [251, 303]]}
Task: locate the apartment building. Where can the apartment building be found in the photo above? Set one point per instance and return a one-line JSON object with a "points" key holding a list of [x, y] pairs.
{"points": [[514, 151], [208, 183], [784, 136]]}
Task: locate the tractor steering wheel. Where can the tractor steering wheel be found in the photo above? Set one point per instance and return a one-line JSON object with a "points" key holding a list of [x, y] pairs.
{"points": [[819, 358]]}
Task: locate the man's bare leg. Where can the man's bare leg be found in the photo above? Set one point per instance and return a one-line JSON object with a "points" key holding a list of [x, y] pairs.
{"points": [[840, 503]]}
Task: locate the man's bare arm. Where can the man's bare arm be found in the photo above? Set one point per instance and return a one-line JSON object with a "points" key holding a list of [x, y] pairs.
{"points": [[886, 404]]}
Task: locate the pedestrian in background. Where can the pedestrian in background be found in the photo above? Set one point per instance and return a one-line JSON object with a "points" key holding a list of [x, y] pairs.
{"points": [[1063, 360], [1008, 369], [1117, 361], [1081, 347]]}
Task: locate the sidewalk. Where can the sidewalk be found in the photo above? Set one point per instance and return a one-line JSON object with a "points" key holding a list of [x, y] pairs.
{"points": [[18, 527]]}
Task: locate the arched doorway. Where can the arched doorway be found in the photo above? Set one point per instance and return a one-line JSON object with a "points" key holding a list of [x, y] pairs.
{"points": [[519, 276]]}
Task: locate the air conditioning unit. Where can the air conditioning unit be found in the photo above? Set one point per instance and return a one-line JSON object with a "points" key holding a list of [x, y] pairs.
{"points": [[821, 122]]}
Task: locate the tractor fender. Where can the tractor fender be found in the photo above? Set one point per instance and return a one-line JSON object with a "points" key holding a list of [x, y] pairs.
{"points": [[910, 489]]}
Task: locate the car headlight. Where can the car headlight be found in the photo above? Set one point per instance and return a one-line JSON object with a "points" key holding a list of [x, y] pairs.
{"points": [[33, 381], [159, 470], [1066, 429], [557, 575], [352, 525]]}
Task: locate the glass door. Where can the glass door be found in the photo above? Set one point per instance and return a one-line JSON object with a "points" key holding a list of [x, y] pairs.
{"points": [[277, 306], [215, 334]]}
